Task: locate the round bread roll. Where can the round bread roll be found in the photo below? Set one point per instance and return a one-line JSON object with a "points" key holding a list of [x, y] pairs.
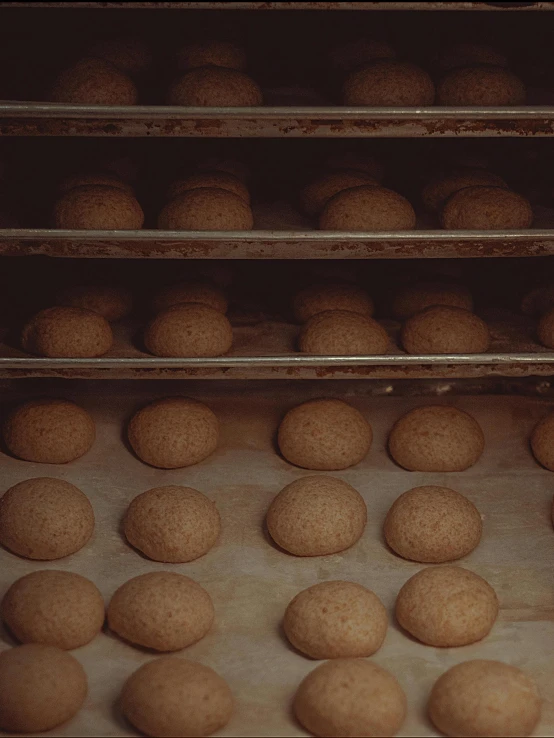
{"points": [[483, 208], [413, 299], [447, 606], [60, 332], [367, 208], [225, 164], [57, 608], [42, 687], [49, 431], [172, 524], [389, 83], [468, 54], [358, 161], [173, 432], [538, 301], [161, 610], [439, 189], [353, 54], [324, 435], [315, 195], [217, 180], [98, 208], [130, 55], [45, 519], [174, 697], [326, 296], [542, 442], [481, 85], [432, 525], [206, 209], [108, 179], [336, 620], [347, 697], [481, 697], [436, 438], [112, 303], [189, 330], [317, 516], [94, 82], [211, 53], [201, 291], [545, 329], [441, 329], [215, 87], [343, 333]]}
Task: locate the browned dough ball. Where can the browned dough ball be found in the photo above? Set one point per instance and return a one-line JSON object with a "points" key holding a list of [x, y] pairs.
{"points": [[436, 438], [481, 85], [235, 167], [353, 54], [172, 524], [215, 87], [42, 687], [57, 608], [161, 610], [201, 291], [357, 161], [173, 432], [413, 299], [324, 435], [315, 195], [218, 180], [325, 296], [479, 697], [545, 329], [206, 209], [129, 55], [67, 332], [439, 189], [174, 697], [49, 431], [468, 54], [441, 329], [45, 519], [211, 53], [482, 208], [94, 178], [336, 620], [112, 303], [350, 697], [94, 82], [538, 301], [367, 208], [432, 525], [542, 442], [317, 516], [98, 208], [343, 333], [447, 606], [389, 83], [189, 330]]}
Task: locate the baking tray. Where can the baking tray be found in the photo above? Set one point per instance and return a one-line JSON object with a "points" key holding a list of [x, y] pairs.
{"points": [[291, 5], [251, 582]]}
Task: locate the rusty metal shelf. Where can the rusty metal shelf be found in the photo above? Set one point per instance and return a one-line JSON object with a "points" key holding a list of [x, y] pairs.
{"points": [[466, 6]]}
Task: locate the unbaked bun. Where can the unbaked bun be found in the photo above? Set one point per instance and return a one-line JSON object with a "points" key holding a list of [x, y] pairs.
{"points": [[189, 330], [67, 332], [98, 208], [481, 85], [439, 189], [343, 333], [236, 167], [483, 208], [367, 208], [414, 298], [219, 180], [442, 329], [315, 195], [326, 296], [112, 303], [206, 209], [352, 54], [201, 291], [94, 82], [545, 329], [538, 301], [215, 87], [211, 53], [468, 54], [130, 55], [389, 83], [542, 442], [108, 179], [356, 160]]}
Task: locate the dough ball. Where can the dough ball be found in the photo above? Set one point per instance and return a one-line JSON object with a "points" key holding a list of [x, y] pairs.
{"points": [[42, 687], [98, 208], [367, 208], [206, 209], [94, 82], [441, 329], [326, 296], [447, 606], [481, 85], [468, 54], [49, 431], [225, 164], [217, 180], [353, 54], [57, 608], [357, 161], [215, 87], [63, 332], [348, 697], [174, 697], [172, 524], [173, 432], [325, 435], [317, 516], [485, 698], [545, 329], [432, 525], [112, 303], [439, 189], [483, 208], [413, 299], [343, 333], [542, 442], [161, 610], [336, 620], [199, 291], [389, 83], [538, 301], [436, 438], [108, 179], [189, 330], [315, 196], [45, 519], [129, 55], [211, 53]]}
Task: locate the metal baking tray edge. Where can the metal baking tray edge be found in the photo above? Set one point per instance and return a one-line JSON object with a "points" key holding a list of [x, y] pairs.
{"points": [[291, 5]]}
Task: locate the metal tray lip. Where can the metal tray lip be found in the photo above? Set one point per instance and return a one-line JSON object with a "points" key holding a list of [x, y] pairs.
{"points": [[366, 6]]}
